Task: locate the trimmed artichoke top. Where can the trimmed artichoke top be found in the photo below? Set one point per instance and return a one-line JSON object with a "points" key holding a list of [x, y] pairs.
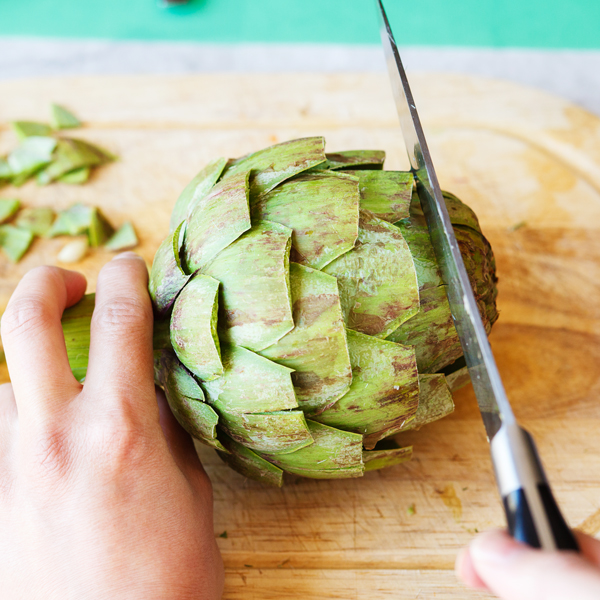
{"points": [[302, 311]]}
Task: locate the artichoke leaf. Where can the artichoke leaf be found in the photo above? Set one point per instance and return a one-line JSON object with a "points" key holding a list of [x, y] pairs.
{"points": [[194, 328], [321, 208], [167, 276], [316, 347], [186, 399], [255, 295], [37, 220], [100, 230], [76, 329], [386, 457], [124, 238], [458, 379], [217, 220], [76, 176], [458, 211], [386, 194], [248, 463], [384, 395], [8, 208], [61, 118], [25, 129], [273, 165], [280, 431], [334, 454], [250, 384], [377, 280], [435, 400], [5, 170], [29, 156], [15, 241], [354, 159], [197, 189]]}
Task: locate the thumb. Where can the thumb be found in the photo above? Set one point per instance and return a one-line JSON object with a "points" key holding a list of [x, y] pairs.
{"points": [[514, 571]]}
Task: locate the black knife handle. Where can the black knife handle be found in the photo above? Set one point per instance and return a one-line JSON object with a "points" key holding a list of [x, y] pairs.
{"points": [[532, 513]]}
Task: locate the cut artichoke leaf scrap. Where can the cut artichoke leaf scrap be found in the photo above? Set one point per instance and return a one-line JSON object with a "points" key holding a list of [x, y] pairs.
{"points": [[255, 295], [15, 241], [248, 463], [377, 281], [196, 190], [219, 218], [354, 159], [322, 209], [124, 238], [435, 400], [194, 328], [76, 177], [281, 431], [8, 208], [386, 194], [37, 220], [167, 276], [24, 129], [186, 399], [29, 156], [386, 457], [316, 348], [275, 164], [334, 454], [61, 118], [384, 394], [76, 329], [250, 384]]}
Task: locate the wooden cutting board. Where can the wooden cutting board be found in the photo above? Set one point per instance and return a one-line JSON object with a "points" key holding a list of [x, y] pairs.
{"points": [[528, 163]]}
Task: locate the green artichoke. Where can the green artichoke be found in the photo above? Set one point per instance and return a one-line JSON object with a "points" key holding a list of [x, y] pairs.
{"points": [[301, 320]]}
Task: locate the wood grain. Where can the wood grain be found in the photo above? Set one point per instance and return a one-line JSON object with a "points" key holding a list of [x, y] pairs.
{"points": [[528, 163]]}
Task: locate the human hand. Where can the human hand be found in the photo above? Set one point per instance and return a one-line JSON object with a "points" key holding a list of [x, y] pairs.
{"points": [[513, 571], [102, 495]]}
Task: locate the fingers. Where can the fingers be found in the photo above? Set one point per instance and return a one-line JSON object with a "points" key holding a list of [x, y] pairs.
{"points": [[120, 371], [517, 572], [34, 343]]}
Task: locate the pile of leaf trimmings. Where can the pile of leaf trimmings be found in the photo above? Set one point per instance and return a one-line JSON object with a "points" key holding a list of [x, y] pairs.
{"points": [[49, 157], [77, 220]]}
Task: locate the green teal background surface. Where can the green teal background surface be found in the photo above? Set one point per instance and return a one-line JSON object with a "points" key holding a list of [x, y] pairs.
{"points": [[491, 23]]}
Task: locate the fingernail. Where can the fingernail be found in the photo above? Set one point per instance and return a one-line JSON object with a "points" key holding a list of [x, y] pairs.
{"points": [[494, 547], [129, 255]]}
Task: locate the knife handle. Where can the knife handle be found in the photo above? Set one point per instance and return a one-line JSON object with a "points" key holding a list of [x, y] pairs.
{"points": [[532, 513]]}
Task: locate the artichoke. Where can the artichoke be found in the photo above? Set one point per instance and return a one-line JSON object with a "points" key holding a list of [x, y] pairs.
{"points": [[300, 317]]}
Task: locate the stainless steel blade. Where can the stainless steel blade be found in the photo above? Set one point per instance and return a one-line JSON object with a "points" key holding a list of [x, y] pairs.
{"points": [[493, 403]]}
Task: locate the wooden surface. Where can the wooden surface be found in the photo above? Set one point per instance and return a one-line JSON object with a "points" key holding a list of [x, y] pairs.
{"points": [[517, 156]]}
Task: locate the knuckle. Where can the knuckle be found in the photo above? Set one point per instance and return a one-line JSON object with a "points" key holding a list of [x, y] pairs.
{"points": [[122, 314], [25, 316], [48, 458]]}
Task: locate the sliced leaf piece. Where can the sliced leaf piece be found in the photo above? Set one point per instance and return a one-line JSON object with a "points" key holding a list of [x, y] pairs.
{"points": [[71, 154], [322, 209], [37, 220], [29, 156], [167, 276], [387, 194], [250, 464], [384, 394], [194, 327], [5, 170], [431, 331], [458, 379], [435, 400], [377, 280], [100, 230], [354, 159], [281, 431], [74, 220], [316, 347], [277, 163], [388, 457], [334, 454], [186, 399], [255, 295], [25, 129], [124, 238], [458, 211], [217, 220], [61, 118], [8, 207], [250, 384], [76, 177], [14, 241], [196, 189], [76, 328]]}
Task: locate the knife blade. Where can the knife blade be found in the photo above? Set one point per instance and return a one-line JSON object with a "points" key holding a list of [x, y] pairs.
{"points": [[532, 513]]}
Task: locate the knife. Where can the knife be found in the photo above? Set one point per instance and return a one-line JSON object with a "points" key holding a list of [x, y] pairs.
{"points": [[532, 513]]}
